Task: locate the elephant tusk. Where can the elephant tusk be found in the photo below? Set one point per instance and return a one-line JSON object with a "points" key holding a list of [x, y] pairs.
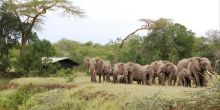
{"points": [[209, 73], [94, 71], [89, 70]]}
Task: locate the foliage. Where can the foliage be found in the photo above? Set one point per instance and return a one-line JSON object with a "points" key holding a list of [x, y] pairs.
{"points": [[29, 14], [4, 63], [78, 51], [30, 60], [172, 42], [132, 51], [9, 35], [18, 97]]}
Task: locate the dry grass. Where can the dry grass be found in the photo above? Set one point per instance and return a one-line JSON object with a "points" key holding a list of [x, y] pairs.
{"points": [[108, 96], [84, 82]]}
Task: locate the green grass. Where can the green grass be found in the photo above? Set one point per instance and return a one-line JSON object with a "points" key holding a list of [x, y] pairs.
{"points": [[104, 96]]}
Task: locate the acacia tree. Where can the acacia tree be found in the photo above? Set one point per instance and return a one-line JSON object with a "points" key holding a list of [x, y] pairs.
{"points": [[149, 25], [31, 12]]}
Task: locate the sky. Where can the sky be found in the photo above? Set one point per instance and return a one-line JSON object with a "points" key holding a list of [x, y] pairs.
{"points": [[107, 20]]}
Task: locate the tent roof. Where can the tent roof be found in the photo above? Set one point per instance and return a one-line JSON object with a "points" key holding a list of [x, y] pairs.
{"points": [[55, 59]]}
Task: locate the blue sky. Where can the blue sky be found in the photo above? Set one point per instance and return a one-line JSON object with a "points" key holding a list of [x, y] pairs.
{"points": [[110, 19]]}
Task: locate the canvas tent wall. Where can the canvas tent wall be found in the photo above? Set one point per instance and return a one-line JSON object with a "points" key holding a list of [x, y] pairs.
{"points": [[64, 62]]}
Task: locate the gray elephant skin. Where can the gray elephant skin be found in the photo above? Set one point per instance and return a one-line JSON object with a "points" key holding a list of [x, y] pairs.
{"points": [[98, 67], [154, 67], [117, 70], [185, 77], [134, 72], [197, 66], [168, 71]]}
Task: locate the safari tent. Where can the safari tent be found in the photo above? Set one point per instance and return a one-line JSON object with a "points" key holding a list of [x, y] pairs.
{"points": [[64, 62]]}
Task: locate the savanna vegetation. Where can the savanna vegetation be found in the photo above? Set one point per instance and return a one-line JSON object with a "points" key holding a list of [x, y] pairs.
{"points": [[25, 85]]}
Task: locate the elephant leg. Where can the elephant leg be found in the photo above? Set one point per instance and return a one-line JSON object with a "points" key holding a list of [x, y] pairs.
{"points": [[159, 80], [143, 81], [189, 83], [174, 81], [126, 79], [150, 80], [170, 79], [107, 77], [114, 79], [146, 82], [179, 82], [104, 77], [184, 82], [100, 78], [203, 80], [131, 79], [92, 77], [197, 81], [163, 80], [153, 80], [170, 82]]}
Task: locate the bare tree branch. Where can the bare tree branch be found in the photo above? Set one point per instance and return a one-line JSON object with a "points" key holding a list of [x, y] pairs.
{"points": [[123, 41]]}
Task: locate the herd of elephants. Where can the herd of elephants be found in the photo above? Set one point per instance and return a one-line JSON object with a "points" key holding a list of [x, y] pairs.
{"points": [[187, 70]]}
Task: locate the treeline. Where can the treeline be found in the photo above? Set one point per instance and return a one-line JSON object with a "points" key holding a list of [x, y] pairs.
{"points": [[173, 43], [21, 50]]}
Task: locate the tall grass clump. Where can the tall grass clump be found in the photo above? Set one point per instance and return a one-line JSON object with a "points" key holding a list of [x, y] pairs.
{"points": [[12, 100], [207, 99]]}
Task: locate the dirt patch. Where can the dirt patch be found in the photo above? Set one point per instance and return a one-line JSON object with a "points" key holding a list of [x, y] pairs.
{"points": [[9, 75], [2, 87]]}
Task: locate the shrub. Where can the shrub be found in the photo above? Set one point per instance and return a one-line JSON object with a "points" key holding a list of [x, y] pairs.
{"points": [[19, 97]]}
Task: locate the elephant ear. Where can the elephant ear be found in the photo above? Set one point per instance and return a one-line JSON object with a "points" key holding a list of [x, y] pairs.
{"points": [[120, 67], [86, 62], [99, 61], [204, 61]]}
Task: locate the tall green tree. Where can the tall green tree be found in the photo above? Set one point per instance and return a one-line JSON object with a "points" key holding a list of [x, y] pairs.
{"points": [[168, 41], [31, 60], [9, 35]]}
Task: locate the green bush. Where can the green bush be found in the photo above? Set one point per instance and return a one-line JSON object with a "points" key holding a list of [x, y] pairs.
{"points": [[4, 63], [65, 72], [19, 97]]}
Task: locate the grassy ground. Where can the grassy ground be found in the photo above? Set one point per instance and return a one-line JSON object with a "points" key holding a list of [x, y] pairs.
{"points": [[81, 94], [4, 83]]}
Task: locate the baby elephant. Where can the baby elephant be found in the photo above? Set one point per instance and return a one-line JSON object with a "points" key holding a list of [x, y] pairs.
{"points": [[121, 79], [185, 77]]}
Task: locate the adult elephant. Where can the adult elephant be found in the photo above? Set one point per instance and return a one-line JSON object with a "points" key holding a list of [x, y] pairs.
{"points": [[96, 67], [185, 76], [168, 71], [197, 66], [134, 72], [117, 70], [154, 67]]}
